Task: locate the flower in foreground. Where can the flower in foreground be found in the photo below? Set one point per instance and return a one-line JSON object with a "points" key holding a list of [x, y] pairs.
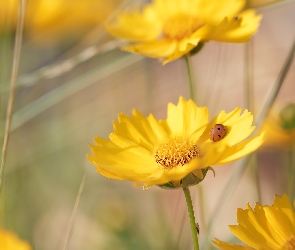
{"points": [[264, 227], [150, 152], [171, 29], [9, 241]]}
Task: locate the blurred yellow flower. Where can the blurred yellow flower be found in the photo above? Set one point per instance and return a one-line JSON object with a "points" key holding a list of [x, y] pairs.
{"points": [[170, 29], [9, 241], [280, 129], [52, 20], [265, 227], [150, 152]]}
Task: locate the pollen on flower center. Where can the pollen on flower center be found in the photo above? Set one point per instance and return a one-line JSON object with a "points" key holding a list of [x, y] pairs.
{"points": [[176, 152], [181, 26], [290, 243]]}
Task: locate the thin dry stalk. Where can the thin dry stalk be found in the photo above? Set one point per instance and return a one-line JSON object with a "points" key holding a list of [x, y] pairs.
{"points": [[74, 212], [14, 74]]}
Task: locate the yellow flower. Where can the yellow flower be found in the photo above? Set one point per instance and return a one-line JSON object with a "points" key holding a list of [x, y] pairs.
{"points": [[280, 129], [150, 152], [9, 241], [54, 20], [265, 227], [170, 29]]}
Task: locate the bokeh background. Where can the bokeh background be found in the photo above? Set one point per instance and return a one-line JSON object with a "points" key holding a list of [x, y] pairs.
{"points": [[73, 81]]}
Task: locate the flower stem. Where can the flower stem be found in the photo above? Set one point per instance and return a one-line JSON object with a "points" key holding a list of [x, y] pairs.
{"points": [[192, 96], [192, 217], [190, 77]]}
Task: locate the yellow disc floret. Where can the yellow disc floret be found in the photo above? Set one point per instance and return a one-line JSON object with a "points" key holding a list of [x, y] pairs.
{"points": [[181, 26], [176, 152]]}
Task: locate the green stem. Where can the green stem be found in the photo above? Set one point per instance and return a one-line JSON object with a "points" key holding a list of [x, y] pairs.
{"points": [[249, 91], [186, 190], [190, 77], [249, 87], [291, 174], [192, 217], [255, 174]]}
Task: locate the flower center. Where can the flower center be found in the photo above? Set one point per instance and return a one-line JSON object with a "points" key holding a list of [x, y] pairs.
{"points": [[176, 152], [290, 243], [181, 26]]}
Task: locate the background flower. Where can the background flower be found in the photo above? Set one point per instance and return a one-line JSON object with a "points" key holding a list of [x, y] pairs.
{"points": [[280, 128], [52, 21], [265, 227], [9, 241], [170, 29]]}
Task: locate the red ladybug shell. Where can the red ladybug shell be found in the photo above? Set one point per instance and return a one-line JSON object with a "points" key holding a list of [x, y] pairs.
{"points": [[217, 132]]}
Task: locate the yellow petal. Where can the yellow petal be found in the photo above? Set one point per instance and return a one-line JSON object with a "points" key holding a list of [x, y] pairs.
{"points": [[251, 237], [259, 211], [239, 129], [252, 224], [238, 29], [146, 132], [226, 246], [281, 217], [156, 49], [235, 152], [220, 8], [184, 46], [127, 161], [185, 118], [145, 26], [284, 206], [209, 155], [227, 119]]}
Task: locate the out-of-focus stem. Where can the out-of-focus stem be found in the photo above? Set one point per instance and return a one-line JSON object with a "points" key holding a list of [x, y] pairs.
{"points": [[250, 104], [14, 73], [74, 212], [190, 77]]}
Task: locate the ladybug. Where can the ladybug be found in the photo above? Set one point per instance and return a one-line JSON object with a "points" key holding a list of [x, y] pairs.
{"points": [[217, 132]]}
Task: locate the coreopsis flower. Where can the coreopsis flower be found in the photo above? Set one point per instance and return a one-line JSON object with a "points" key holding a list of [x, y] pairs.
{"points": [[264, 227], [9, 241], [170, 29], [281, 128], [173, 152], [56, 20]]}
